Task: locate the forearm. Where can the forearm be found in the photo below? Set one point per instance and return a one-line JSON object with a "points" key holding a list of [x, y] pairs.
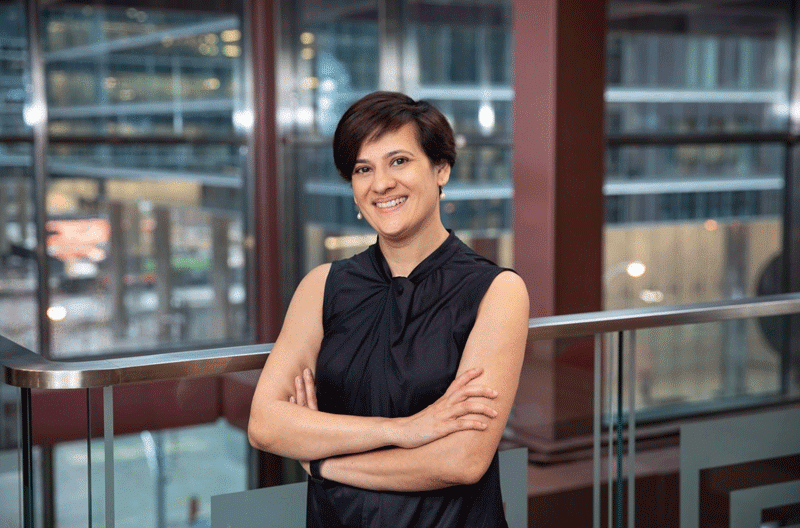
{"points": [[445, 462], [296, 429], [297, 432]]}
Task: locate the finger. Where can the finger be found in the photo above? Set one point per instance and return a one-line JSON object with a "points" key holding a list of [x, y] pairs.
{"points": [[300, 391], [474, 391], [474, 407], [311, 389], [465, 424], [465, 377]]}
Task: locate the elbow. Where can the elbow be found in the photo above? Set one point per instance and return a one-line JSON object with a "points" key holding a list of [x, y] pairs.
{"points": [[470, 474], [258, 436], [251, 436], [469, 468]]}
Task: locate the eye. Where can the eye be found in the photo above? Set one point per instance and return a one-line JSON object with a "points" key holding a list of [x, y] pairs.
{"points": [[361, 170], [399, 161]]}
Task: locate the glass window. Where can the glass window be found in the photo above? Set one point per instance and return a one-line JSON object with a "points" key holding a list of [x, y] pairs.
{"points": [[694, 70], [18, 300], [13, 67], [147, 177], [333, 62], [456, 54], [704, 215]]}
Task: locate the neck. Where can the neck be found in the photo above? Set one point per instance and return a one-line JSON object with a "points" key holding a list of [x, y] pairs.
{"points": [[403, 255]]}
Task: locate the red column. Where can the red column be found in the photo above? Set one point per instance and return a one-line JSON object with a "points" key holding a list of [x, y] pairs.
{"points": [[265, 148], [267, 216], [559, 149]]}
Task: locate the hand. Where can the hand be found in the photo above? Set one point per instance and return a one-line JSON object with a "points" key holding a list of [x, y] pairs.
{"points": [[446, 415], [305, 391], [305, 395]]}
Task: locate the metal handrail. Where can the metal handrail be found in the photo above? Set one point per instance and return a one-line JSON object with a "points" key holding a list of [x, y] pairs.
{"points": [[26, 369], [586, 324]]}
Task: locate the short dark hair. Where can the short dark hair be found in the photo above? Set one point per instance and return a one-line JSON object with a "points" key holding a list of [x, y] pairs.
{"points": [[379, 112]]}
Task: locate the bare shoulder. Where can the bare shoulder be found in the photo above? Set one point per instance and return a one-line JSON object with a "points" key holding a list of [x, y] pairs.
{"points": [[304, 317], [507, 293], [317, 276], [301, 334], [313, 284]]}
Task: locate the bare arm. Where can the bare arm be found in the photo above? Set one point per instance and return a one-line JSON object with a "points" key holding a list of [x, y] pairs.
{"points": [[303, 433], [497, 343]]}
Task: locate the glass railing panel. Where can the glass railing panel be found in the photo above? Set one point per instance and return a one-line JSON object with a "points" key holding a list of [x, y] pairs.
{"points": [[175, 445], [10, 457], [79, 461], [681, 369], [681, 382], [18, 505], [162, 478]]}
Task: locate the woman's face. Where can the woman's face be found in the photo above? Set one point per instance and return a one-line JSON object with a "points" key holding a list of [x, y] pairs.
{"points": [[395, 185]]}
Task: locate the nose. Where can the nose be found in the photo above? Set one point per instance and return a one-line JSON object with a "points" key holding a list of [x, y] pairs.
{"points": [[383, 181]]}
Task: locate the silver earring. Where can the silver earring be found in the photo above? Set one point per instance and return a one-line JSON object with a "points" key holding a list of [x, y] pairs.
{"points": [[441, 193], [359, 216]]}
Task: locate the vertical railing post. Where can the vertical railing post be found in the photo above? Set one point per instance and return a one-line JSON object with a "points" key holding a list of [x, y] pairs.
{"points": [[632, 429], [89, 453], [610, 458], [27, 459], [596, 447], [161, 479], [108, 435], [619, 427]]}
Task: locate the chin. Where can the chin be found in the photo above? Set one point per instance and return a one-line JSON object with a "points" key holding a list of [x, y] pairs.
{"points": [[392, 232]]}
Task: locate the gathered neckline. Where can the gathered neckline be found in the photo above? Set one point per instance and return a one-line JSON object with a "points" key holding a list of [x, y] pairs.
{"points": [[433, 261]]}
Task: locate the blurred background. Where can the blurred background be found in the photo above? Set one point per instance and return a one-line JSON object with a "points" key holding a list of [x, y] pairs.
{"points": [[144, 176]]}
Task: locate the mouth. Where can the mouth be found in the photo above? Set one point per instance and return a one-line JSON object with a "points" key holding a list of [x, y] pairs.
{"points": [[388, 204]]}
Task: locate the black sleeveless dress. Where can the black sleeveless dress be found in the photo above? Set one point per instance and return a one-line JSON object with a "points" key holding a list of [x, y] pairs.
{"points": [[391, 347]]}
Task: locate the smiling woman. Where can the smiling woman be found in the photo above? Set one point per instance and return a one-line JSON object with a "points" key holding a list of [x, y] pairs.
{"points": [[397, 154], [383, 379], [396, 188]]}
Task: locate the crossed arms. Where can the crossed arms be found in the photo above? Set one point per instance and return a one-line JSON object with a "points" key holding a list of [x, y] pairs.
{"points": [[450, 442]]}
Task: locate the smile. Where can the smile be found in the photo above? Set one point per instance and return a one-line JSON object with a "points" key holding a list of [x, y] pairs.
{"points": [[391, 203]]}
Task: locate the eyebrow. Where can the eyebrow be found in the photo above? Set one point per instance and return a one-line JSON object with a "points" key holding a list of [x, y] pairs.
{"points": [[387, 155]]}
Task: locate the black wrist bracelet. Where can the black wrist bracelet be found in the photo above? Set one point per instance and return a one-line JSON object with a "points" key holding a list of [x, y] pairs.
{"points": [[313, 467]]}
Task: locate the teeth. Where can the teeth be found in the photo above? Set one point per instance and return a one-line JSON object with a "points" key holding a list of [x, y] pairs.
{"points": [[391, 203]]}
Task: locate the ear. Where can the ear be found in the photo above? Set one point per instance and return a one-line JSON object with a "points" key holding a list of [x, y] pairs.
{"points": [[442, 174]]}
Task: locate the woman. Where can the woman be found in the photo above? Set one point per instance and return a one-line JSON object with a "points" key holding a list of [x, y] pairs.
{"points": [[394, 374]]}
